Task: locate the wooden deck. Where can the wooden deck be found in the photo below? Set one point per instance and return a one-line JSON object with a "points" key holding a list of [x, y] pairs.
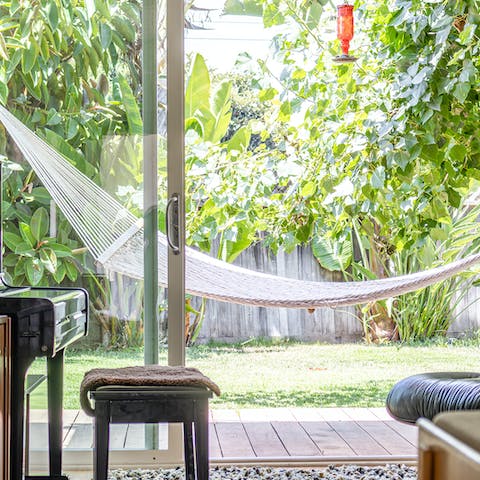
{"points": [[284, 433]]}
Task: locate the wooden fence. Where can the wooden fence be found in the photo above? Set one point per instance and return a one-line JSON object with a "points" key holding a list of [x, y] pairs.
{"points": [[230, 322], [233, 323], [468, 320]]}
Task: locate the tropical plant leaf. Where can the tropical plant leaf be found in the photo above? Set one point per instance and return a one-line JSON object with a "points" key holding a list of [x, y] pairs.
{"points": [[61, 251], [48, 259], [70, 153], [332, 255], [39, 224], [240, 140], [59, 273], [11, 240], [24, 248], [34, 270], [27, 234], [197, 95], [221, 108], [71, 270], [134, 118]]}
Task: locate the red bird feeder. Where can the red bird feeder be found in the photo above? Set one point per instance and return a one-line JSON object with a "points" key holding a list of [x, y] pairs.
{"points": [[345, 32]]}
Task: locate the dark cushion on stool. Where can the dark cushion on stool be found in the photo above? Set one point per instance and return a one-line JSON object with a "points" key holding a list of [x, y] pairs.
{"points": [[427, 394]]}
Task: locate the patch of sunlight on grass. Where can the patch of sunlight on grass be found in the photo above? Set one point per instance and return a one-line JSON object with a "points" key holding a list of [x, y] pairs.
{"points": [[262, 374]]}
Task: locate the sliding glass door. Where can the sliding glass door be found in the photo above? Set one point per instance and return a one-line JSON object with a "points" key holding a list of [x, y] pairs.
{"points": [[102, 82]]}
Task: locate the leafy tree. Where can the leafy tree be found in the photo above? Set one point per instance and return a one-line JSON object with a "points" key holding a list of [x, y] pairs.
{"points": [[389, 142], [382, 152], [69, 70]]}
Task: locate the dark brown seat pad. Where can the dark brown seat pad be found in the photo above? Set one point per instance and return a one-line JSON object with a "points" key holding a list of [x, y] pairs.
{"points": [[146, 375]]}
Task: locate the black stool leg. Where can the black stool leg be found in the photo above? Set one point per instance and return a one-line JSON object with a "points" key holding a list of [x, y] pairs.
{"points": [[101, 440], [201, 439], [55, 411], [188, 450]]}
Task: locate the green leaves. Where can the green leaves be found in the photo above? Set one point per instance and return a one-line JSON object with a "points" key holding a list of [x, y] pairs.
{"points": [[11, 240], [332, 255], [35, 255], [69, 71], [34, 269], [27, 236], [240, 140], [206, 113], [105, 35], [461, 91], [235, 242], [132, 110], [197, 94], [48, 259], [52, 15], [39, 224]]}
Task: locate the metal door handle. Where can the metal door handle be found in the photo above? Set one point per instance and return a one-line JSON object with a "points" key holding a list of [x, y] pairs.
{"points": [[171, 224]]}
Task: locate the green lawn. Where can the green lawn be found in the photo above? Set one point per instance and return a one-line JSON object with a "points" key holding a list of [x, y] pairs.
{"points": [[294, 374]]}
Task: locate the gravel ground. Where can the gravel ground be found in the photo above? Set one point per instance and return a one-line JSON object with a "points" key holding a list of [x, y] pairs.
{"points": [[344, 472]]}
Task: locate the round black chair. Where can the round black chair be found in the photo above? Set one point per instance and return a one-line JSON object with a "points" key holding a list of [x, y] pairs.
{"points": [[427, 394]]}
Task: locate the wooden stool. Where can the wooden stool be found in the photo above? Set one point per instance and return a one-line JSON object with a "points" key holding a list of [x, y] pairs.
{"points": [[154, 404]]}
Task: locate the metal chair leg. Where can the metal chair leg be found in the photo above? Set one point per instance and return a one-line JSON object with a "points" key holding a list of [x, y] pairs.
{"points": [[101, 441]]}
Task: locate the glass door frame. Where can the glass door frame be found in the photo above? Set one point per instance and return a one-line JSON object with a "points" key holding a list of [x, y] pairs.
{"points": [[153, 458], [176, 177], [176, 189], [175, 20]]}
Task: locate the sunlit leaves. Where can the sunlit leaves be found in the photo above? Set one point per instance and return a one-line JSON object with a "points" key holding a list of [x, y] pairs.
{"points": [[332, 254], [399, 125], [39, 224], [197, 93], [132, 109], [240, 140], [60, 65]]}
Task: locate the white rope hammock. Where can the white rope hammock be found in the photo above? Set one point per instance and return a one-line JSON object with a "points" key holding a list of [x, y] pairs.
{"points": [[115, 239]]}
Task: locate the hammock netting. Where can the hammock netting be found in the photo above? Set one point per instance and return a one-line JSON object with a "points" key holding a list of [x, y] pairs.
{"points": [[114, 237]]}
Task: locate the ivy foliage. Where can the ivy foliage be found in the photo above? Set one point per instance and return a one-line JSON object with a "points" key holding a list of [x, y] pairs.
{"points": [[382, 153], [392, 138], [70, 71]]}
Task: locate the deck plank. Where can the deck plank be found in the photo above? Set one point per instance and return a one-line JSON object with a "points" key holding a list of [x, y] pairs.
{"points": [[39, 430], [381, 413], [333, 414], [213, 443], [223, 415], [135, 436], [388, 438], [293, 436], [80, 432], [408, 432], [69, 419], [80, 436], [295, 439], [233, 440], [356, 437], [328, 441], [38, 436], [262, 436], [268, 432], [118, 434]]}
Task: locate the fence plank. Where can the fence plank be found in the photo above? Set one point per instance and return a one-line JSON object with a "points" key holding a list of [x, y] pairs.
{"points": [[230, 322]]}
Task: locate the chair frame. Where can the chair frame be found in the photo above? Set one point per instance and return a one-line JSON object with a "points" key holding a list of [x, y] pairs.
{"points": [[154, 404], [443, 456]]}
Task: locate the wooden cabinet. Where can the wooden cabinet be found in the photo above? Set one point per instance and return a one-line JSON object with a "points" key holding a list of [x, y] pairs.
{"points": [[4, 396], [449, 447]]}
